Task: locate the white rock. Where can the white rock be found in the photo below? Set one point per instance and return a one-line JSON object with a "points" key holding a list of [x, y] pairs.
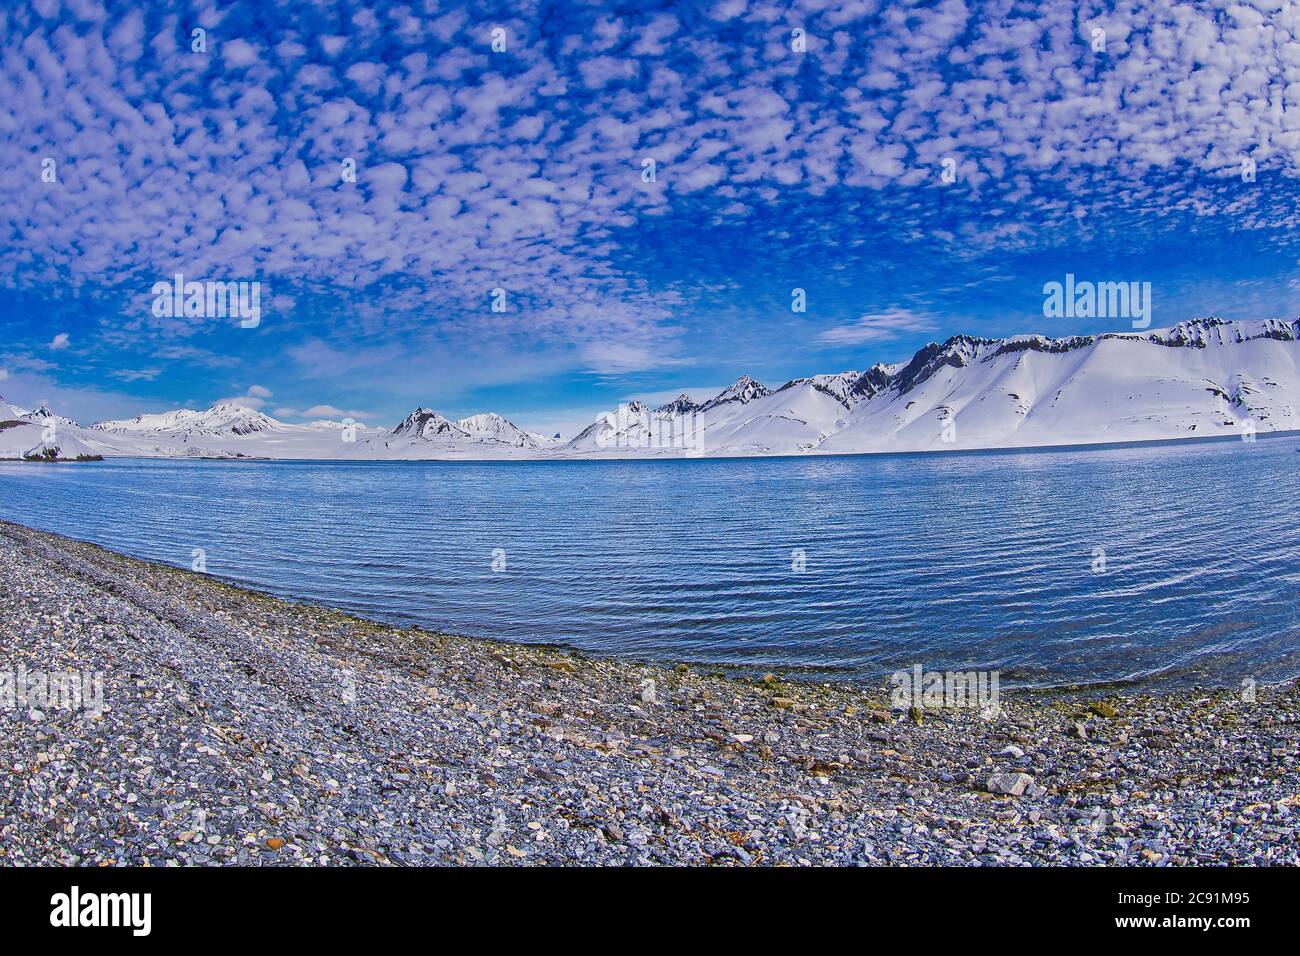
{"points": [[1011, 784]]}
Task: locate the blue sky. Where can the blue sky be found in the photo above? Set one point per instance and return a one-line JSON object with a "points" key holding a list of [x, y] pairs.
{"points": [[1117, 159]]}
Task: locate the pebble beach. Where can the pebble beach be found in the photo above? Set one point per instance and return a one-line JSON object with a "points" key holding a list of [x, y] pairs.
{"points": [[240, 729]]}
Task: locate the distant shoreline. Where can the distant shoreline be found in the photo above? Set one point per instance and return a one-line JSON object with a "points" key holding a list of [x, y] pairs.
{"points": [[814, 455]]}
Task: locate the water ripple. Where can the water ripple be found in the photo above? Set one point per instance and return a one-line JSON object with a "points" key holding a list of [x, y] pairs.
{"points": [[1171, 563]]}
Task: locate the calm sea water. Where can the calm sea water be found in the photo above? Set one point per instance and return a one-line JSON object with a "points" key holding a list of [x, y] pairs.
{"points": [[839, 567]]}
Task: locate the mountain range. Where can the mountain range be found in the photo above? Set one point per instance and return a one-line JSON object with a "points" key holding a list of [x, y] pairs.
{"points": [[1203, 377]]}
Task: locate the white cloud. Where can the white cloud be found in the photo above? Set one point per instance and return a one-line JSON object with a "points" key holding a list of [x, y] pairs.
{"points": [[323, 411], [254, 397], [136, 374], [248, 401], [529, 177], [874, 327], [239, 53]]}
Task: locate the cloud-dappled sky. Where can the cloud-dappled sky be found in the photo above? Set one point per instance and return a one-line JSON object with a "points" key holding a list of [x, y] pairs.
{"points": [[794, 145]]}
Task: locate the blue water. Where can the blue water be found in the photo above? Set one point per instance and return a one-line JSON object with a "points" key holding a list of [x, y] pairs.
{"points": [[968, 560]]}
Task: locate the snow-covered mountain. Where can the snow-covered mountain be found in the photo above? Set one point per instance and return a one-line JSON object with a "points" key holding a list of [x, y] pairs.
{"points": [[43, 414], [10, 413], [426, 424], [221, 420], [59, 445], [25, 436], [490, 426], [425, 434], [230, 430], [1208, 377], [744, 391], [681, 405], [1204, 377]]}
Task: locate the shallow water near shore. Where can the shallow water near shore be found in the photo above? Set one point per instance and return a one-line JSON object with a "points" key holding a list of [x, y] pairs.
{"points": [[1167, 565]]}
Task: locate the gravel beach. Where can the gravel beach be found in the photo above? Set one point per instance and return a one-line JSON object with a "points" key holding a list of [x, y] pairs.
{"points": [[241, 729]]}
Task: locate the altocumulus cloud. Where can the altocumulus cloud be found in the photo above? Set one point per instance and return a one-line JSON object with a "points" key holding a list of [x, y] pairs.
{"points": [[523, 169]]}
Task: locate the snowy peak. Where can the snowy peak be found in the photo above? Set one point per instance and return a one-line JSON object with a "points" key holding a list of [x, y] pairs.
{"points": [[221, 420], [613, 429], [489, 426], [161, 421], [229, 418], [43, 414], [1193, 334], [681, 405], [961, 351], [1201, 333], [839, 387], [872, 382], [744, 391], [958, 352], [427, 424]]}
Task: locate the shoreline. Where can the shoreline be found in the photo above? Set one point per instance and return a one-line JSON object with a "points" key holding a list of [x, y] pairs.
{"points": [[806, 674], [552, 458], [239, 728]]}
